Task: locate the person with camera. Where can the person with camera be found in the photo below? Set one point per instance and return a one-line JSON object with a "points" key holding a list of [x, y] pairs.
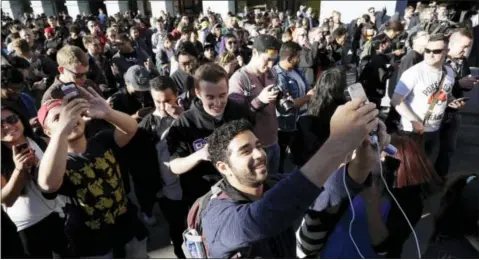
{"points": [[256, 86], [36, 218], [392, 29], [99, 218], [188, 135], [295, 89], [257, 220]]}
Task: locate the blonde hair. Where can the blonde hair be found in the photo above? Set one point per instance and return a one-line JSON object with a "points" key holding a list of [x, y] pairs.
{"points": [[71, 55]]}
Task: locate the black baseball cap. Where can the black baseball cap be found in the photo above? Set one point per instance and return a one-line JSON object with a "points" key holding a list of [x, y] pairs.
{"points": [[266, 44], [138, 77]]}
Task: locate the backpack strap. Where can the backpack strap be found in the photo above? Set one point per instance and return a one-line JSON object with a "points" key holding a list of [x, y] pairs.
{"points": [[435, 97]]}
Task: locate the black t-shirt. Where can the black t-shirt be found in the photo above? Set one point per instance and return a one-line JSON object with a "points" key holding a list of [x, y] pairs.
{"points": [[94, 181], [126, 103], [189, 133]]}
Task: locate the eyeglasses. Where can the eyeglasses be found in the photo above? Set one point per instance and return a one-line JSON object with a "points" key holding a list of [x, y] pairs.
{"points": [[11, 120], [77, 75], [436, 51]]}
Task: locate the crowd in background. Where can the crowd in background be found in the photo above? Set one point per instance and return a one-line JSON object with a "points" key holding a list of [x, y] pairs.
{"points": [[237, 126]]}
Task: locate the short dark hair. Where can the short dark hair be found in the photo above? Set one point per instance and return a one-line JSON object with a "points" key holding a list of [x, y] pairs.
{"points": [[394, 25], [221, 137], [186, 48], [75, 29], [339, 32], [289, 49], [229, 36], [210, 72], [438, 37], [162, 83], [170, 37], [124, 37]]}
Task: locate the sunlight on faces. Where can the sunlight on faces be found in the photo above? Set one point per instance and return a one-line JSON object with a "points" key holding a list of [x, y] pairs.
{"points": [[264, 61], [187, 63], [247, 153], [459, 46], [11, 133], [435, 59], [163, 100], [420, 43], [214, 96], [51, 125], [76, 74]]}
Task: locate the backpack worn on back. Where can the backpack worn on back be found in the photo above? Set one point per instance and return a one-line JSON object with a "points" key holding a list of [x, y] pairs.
{"points": [[194, 241]]}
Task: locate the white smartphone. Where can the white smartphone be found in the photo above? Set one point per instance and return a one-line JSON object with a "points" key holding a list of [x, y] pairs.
{"points": [[356, 91]]}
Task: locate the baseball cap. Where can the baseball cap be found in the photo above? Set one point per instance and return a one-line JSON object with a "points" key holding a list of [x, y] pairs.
{"points": [[45, 108], [266, 44], [138, 77]]}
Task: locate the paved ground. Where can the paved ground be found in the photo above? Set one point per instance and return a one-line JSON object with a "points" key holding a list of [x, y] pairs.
{"points": [[464, 161]]}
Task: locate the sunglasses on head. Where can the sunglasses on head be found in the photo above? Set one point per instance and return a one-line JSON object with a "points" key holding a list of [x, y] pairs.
{"points": [[77, 75], [436, 51], [11, 120]]}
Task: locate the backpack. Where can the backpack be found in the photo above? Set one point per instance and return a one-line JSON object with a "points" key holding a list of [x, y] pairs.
{"points": [[194, 240]]}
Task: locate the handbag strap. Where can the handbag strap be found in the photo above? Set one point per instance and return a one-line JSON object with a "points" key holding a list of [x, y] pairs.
{"points": [[435, 97]]}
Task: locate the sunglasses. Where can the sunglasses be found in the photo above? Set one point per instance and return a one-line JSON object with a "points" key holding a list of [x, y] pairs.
{"points": [[436, 51], [77, 75], [232, 42], [10, 120]]}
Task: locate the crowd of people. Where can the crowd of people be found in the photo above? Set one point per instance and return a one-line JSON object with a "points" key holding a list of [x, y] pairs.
{"points": [[241, 128]]}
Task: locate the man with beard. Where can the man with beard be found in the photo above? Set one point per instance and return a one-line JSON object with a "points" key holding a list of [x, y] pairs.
{"points": [[188, 135], [88, 172], [293, 82], [246, 216]]}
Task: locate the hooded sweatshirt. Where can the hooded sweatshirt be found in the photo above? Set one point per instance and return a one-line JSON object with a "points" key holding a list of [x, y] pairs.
{"points": [[189, 133]]}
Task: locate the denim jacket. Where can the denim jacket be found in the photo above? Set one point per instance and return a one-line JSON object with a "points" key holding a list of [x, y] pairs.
{"points": [[289, 85]]}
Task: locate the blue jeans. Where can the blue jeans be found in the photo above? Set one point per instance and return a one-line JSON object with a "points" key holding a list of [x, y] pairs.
{"points": [[272, 161]]}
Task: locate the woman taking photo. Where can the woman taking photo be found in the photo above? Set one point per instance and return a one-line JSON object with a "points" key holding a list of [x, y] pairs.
{"points": [[379, 227], [36, 218]]}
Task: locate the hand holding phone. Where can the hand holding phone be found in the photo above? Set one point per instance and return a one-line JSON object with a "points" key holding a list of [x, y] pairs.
{"points": [[23, 157]]}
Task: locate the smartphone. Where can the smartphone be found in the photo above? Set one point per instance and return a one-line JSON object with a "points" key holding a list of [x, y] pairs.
{"points": [[70, 91], [461, 99], [356, 91], [21, 147]]}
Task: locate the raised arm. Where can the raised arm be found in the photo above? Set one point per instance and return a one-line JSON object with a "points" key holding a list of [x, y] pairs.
{"points": [[53, 164]]}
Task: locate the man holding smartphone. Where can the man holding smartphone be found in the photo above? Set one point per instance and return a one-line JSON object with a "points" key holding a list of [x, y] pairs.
{"points": [[460, 42]]}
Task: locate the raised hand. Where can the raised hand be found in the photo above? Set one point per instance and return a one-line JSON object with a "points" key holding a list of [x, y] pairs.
{"points": [[70, 113], [99, 107], [351, 123]]}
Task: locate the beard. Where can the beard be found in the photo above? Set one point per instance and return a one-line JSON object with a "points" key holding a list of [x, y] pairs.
{"points": [[248, 177]]}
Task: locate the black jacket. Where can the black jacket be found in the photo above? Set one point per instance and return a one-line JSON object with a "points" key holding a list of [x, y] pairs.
{"points": [[375, 76], [193, 127]]}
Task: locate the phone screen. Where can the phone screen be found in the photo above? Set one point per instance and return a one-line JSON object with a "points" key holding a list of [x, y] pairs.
{"points": [[70, 91]]}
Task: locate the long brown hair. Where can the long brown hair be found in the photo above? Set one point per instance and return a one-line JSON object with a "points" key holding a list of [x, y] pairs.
{"points": [[415, 167]]}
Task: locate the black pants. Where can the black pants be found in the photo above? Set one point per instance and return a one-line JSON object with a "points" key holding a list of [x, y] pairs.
{"points": [[175, 212], [46, 239], [448, 141], [284, 141], [430, 141]]}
